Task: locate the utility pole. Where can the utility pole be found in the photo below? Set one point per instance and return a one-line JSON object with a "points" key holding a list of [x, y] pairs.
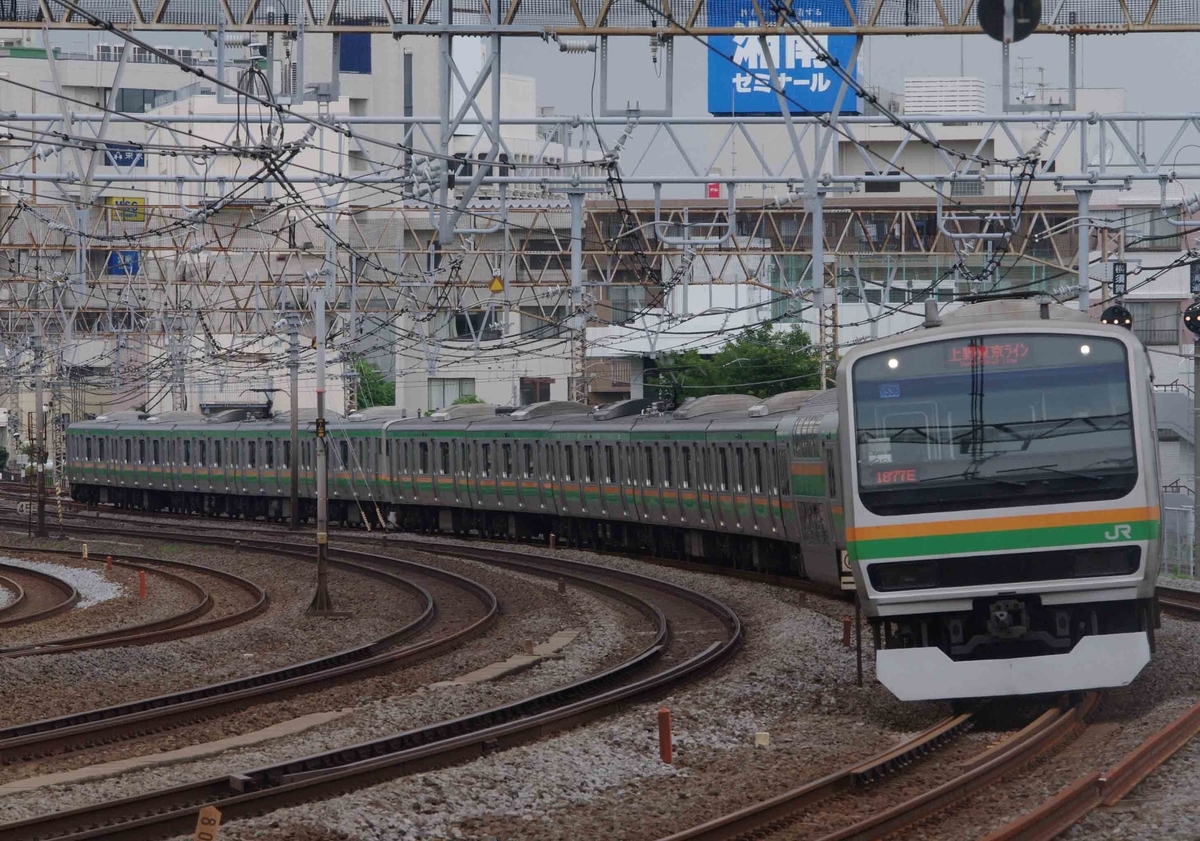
{"points": [[293, 329], [1085, 256], [322, 603], [40, 442], [579, 389]]}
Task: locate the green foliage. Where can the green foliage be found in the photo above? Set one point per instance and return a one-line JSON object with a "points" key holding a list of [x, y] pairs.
{"points": [[3, 457], [374, 389], [761, 361], [466, 399]]}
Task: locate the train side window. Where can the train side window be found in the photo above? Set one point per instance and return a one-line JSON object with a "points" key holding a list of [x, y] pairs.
{"points": [[631, 465], [568, 462], [829, 470], [270, 455], [485, 459], [610, 464], [668, 458], [551, 462], [251, 453], [423, 456], [100, 446], [724, 459], [589, 463], [506, 460], [757, 470], [203, 462], [685, 457], [88, 449], [785, 473], [741, 468], [648, 453], [362, 457], [444, 454], [154, 451], [287, 455], [527, 450], [187, 451]]}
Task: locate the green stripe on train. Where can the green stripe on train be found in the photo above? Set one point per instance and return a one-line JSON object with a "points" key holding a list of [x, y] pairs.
{"points": [[994, 541]]}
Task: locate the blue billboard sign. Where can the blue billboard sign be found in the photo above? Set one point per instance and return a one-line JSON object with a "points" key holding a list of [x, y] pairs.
{"points": [[739, 78], [123, 155], [123, 263]]}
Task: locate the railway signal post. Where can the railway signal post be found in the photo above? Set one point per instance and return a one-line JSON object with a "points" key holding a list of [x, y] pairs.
{"points": [[293, 330], [39, 444], [321, 602]]}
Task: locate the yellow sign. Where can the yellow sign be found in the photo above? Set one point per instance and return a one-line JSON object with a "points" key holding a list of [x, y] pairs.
{"points": [[127, 208], [497, 285]]}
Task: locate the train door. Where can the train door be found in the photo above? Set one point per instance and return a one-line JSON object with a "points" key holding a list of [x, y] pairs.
{"points": [[611, 504], [550, 486], [527, 486], [837, 518], [760, 497], [723, 476], [507, 497], [669, 490], [689, 491], [463, 473], [589, 485]]}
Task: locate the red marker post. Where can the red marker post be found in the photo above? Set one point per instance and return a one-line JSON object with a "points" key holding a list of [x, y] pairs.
{"points": [[141, 583], [664, 735]]}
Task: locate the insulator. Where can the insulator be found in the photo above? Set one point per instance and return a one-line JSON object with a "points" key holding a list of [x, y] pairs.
{"points": [[576, 46]]}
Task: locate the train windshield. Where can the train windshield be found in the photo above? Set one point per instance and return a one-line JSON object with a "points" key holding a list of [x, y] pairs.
{"points": [[993, 421]]}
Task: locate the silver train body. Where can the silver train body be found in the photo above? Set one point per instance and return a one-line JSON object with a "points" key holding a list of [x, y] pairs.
{"points": [[796, 485]]}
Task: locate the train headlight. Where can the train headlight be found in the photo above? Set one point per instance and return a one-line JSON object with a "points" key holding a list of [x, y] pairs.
{"points": [[893, 363]]}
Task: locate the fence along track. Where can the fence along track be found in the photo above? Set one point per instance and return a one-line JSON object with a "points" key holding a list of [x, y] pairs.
{"points": [[162, 814]]}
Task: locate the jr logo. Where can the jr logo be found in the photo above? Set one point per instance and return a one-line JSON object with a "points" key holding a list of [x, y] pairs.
{"points": [[1119, 532]]}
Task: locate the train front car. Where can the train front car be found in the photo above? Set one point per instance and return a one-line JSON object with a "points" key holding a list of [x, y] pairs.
{"points": [[1003, 528]]}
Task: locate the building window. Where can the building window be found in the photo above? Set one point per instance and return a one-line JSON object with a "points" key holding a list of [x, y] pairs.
{"points": [[443, 391], [535, 390], [483, 325], [1155, 322], [355, 55]]}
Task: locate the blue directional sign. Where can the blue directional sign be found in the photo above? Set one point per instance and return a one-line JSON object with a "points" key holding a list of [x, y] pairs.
{"points": [[123, 262], [123, 155], [739, 78]]}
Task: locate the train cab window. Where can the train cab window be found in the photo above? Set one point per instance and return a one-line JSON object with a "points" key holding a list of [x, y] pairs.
{"points": [[154, 452], [830, 473], [203, 462], [423, 456], [269, 455], [506, 460], [485, 459], [685, 458], [589, 463], [568, 462], [756, 475], [668, 466], [252, 453], [610, 464], [287, 454], [88, 450], [444, 457], [527, 466], [649, 461], [741, 469], [723, 457]]}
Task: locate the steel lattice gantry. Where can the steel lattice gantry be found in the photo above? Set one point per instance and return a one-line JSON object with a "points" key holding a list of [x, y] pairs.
{"points": [[550, 18]]}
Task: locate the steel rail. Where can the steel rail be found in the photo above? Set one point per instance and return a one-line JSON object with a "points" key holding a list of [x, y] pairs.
{"points": [[160, 814], [18, 595], [70, 596], [1075, 802], [142, 633], [970, 781], [779, 811], [1179, 602], [139, 717]]}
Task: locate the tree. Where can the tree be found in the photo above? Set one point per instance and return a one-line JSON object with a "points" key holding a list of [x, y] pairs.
{"points": [[374, 389], [466, 399], [761, 361]]}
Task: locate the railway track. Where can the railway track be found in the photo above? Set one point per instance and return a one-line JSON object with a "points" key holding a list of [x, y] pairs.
{"points": [[175, 627], [1179, 602], [40, 596], [764, 819], [693, 634], [77, 731]]}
